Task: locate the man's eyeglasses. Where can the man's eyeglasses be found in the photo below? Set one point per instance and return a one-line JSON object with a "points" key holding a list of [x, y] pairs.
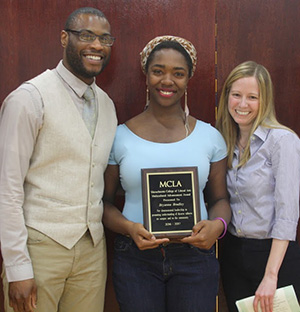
{"points": [[88, 36]]}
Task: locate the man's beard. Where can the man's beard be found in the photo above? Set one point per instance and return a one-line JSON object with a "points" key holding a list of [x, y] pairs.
{"points": [[75, 62]]}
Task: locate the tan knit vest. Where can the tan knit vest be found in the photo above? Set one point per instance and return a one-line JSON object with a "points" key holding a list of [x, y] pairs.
{"points": [[64, 184]]}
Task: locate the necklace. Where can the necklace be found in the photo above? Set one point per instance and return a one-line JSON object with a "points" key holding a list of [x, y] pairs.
{"points": [[241, 146]]}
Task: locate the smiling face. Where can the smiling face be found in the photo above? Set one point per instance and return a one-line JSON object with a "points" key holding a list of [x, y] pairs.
{"points": [[86, 59], [167, 77], [243, 102]]}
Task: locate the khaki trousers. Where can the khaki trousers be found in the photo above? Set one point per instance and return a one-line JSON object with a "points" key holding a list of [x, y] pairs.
{"points": [[68, 280]]}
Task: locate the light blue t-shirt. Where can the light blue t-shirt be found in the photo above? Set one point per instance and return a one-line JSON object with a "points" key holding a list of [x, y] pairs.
{"points": [[132, 153]]}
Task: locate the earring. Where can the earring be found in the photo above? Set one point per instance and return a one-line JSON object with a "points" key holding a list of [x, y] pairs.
{"points": [[186, 109], [147, 99], [186, 112]]}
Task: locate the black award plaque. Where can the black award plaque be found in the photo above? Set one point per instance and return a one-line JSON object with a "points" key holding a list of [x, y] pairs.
{"points": [[170, 201]]}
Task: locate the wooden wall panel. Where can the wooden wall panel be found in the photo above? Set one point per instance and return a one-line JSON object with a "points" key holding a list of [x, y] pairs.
{"points": [[265, 31], [31, 43]]}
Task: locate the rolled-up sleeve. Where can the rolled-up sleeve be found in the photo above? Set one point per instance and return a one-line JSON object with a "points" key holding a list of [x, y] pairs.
{"points": [[286, 168]]}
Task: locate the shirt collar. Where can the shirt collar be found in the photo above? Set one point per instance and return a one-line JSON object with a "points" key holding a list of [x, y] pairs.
{"points": [[261, 133], [77, 85]]}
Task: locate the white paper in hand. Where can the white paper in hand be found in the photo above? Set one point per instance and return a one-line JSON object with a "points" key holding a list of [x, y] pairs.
{"points": [[285, 300]]}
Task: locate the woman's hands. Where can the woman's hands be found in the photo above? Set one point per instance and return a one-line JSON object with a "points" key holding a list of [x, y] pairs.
{"points": [[264, 294], [204, 234], [143, 238]]}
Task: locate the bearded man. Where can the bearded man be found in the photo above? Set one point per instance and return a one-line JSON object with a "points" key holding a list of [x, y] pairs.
{"points": [[56, 132]]}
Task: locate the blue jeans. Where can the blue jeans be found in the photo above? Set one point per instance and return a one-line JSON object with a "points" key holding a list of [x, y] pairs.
{"points": [[171, 278]]}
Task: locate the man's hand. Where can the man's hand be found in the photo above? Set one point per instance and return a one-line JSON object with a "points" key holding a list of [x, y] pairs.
{"points": [[23, 295]]}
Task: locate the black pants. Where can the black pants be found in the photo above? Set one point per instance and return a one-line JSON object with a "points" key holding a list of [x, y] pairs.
{"points": [[243, 262]]}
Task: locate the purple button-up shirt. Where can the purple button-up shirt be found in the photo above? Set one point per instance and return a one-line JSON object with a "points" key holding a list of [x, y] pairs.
{"points": [[264, 193]]}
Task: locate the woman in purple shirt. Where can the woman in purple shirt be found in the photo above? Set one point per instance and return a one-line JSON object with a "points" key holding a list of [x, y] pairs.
{"points": [[260, 252]]}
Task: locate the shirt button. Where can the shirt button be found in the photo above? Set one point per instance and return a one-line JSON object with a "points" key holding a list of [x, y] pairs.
{"points": [[239, 231], [240, 211], [236, 193], [93, 165], [92, 184]]}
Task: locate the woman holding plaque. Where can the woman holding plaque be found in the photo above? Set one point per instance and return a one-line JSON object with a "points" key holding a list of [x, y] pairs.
{"points": [[165, 274], [259, 253]]}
